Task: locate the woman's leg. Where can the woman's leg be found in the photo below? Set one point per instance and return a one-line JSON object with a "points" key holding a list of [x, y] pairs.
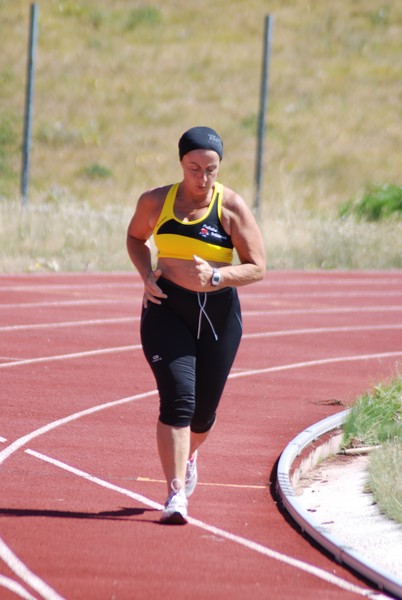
{"points": [[196, 439], [174, 450], [214, 362], [169, 348], [176, 445]]}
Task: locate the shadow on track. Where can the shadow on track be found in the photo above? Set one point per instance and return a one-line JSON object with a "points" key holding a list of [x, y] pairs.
{"points": [[124, 513]]}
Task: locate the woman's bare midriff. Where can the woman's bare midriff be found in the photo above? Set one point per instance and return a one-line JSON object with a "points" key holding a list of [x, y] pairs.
{"points": [[183, 272]]}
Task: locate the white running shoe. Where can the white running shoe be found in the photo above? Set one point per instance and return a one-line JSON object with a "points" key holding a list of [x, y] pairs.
{"points": [[175, 511], [191, 474]]}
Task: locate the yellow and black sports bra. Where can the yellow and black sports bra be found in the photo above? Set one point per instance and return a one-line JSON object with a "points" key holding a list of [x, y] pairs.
{"points": [[204, 237]]}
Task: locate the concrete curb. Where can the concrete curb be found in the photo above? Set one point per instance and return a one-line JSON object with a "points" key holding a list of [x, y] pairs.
{"points": [[341, 552]]}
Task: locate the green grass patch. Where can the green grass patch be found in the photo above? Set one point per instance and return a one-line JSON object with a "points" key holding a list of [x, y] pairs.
{"points": [[96, 171], [143, 15], [376, 416], [378, 203], [376, 419]]}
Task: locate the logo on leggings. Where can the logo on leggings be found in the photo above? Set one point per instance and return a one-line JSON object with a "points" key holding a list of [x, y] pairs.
{"points": [[156, 358]]}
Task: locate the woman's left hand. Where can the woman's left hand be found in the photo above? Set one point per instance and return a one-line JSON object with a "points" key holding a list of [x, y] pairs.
{"points": [[202, 271]]}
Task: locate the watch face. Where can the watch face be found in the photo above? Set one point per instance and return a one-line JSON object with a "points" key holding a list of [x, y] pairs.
{"points": [[216, 277]]}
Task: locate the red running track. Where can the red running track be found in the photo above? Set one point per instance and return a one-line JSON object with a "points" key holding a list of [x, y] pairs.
{"points": [[81, 484]]}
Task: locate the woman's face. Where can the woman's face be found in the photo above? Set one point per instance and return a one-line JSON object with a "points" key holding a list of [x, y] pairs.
{"points": [[200, 170]]}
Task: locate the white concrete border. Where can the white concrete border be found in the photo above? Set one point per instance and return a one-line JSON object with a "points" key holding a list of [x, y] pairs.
{"points": [[341, 552]]}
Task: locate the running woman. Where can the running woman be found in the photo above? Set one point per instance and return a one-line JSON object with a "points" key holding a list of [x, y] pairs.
{"points": [[191, 322]]}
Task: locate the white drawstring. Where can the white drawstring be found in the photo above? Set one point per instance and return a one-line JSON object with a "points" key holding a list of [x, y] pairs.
{"points": [[203, 311]]}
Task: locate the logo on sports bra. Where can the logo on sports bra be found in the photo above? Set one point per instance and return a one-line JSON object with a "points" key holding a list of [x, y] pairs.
{"points": [[211, 231]]}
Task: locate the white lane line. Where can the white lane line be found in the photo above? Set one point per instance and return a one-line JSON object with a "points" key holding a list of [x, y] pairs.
{"points": [[46, 304], [85, 275], [319, 294], [8, 583], [328, 279], [62, 324], [315, 363], [97, 480], [288, 560], [69, 286], [130, 279], [244, 294], [266, 334], [321, 311], [250, 545], [22, 441], [14, 562], [314, 330], [121, 320], [18, 567], [16, 588], [41, 359], [129, 300]]}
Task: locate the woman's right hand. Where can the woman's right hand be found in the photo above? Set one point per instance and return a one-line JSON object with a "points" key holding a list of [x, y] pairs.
{"points": [[152, 291]]}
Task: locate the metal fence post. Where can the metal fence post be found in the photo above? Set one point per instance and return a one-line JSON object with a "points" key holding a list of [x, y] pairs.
{"points": [[33, 27], [263, 109]]}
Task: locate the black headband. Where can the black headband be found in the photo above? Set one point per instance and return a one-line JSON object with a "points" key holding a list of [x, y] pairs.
{"points": [[200, 138]]}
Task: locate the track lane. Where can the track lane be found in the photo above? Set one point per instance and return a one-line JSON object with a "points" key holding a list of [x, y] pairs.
{"points": [[278, 393]]}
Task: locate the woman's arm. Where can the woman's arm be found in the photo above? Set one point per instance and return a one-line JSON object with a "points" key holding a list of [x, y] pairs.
{"points": [[139, 231], [240, 224]]}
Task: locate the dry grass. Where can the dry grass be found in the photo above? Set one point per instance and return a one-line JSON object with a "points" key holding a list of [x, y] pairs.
{"points": [[57, 232], [385, 479], [116, 85], [117, 82]]}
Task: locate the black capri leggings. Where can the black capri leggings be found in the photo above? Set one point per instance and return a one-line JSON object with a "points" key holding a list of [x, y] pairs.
{"points": [[190, 342]]}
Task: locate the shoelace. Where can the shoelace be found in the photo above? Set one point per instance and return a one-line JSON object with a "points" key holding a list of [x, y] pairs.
{"points": [[190, 467], [202, 306]]}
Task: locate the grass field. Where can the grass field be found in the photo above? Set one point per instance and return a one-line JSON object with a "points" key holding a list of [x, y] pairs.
{"points": [[62, 234], [118, 81], [375, 419]]}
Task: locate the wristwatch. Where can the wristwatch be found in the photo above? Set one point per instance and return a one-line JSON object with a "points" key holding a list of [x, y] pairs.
{"points": [[216, 277]]}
